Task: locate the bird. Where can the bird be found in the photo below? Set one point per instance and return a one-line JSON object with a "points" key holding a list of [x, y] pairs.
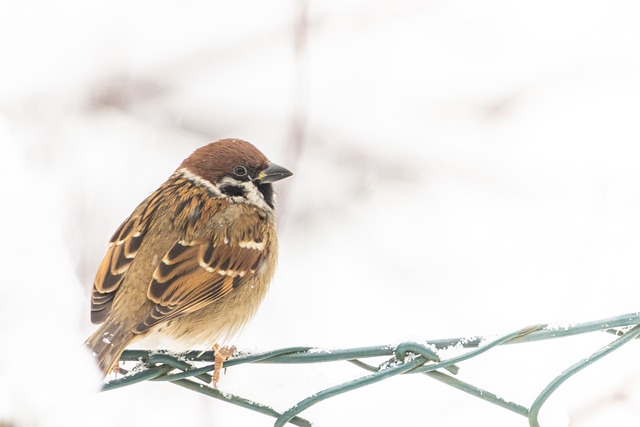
{"points": [[194, 260]]}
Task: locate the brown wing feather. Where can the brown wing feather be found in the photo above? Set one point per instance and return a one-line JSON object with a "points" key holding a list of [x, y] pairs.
{"points": [[123, 247], [122, 250], [197, 273]]}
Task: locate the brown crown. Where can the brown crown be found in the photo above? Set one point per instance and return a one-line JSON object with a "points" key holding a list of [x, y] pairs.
{"points": [[218, 159]]}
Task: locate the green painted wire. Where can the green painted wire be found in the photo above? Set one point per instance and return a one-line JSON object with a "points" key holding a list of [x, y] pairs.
{"points": [[317, 355], [630, 319], [574, 369], [239, 401], [147, 374], [282, 356], [170, 362], [347, 386], [502, 340], [213, 392], [245, 358], [312, 355], [410, 347], [488, 396], [478, 392]]}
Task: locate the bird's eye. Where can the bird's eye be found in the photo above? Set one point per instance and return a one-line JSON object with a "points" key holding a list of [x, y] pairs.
{"points": [[240, 171]]}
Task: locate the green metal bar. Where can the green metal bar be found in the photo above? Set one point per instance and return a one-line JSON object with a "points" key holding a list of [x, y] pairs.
{"points": [[365, 366], [430, 370], [405, 348], [245, 358], [170, 362], [239, 401], [478, 392], [502, 340], [630, 319], [283, 356], [568, 373], [314, 355], [406, 358], [347, 386], [147, 374]]}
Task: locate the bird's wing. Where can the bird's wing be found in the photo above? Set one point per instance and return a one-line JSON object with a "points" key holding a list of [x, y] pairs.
{"points": [[123, 247], [195, 273]]}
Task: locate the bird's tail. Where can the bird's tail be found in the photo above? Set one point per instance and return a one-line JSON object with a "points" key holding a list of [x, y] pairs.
{"points": [[108, 342]]}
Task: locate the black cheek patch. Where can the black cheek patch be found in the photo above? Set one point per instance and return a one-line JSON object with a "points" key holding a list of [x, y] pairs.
{"points": [[232, 190]]}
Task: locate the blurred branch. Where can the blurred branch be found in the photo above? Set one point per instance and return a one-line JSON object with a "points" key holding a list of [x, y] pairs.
{"points": [[404, 358]]}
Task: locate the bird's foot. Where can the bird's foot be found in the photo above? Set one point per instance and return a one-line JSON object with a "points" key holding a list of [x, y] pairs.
{"points": [[221, 354]]}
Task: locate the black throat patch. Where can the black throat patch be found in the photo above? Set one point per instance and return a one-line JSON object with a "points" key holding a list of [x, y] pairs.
{"points": [[267, 193]]}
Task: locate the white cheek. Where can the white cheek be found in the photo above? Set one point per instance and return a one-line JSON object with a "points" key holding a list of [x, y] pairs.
{"points": [[255, 197]]}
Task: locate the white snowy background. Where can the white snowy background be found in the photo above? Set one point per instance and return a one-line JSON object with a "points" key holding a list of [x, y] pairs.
{"points": [[461, 168]]}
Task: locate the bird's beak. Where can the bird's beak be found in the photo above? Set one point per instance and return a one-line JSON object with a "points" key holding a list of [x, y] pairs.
{"points": [[273, 173]]}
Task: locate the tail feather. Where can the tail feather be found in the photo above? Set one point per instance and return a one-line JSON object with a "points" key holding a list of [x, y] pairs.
{"points": [[108, 342]]}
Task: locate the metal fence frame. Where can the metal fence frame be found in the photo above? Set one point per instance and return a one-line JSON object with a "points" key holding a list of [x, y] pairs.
{"points": [[403, 358]]}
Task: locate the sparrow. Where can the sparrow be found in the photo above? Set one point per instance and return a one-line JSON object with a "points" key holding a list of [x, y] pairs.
{"points": [[194, 260]]}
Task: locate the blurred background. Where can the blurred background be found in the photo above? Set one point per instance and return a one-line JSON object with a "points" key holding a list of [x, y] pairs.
{"points": [[461, 168]]}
